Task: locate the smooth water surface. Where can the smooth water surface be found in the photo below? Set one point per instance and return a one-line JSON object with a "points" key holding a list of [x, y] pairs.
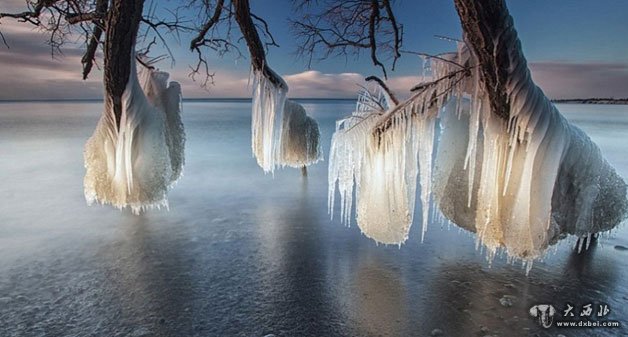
{"points": [[241, 253]]}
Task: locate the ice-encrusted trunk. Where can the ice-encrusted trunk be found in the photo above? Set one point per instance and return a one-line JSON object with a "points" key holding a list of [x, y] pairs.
{"points": [[123, 22], [540, 177], [136, 151], [508, 165]]}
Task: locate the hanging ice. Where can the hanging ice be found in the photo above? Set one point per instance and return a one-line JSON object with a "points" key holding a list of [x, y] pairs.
{"points": [[300, 137], [134, 164], [521, 184], [525, 183], [282, 133], [268, 104], [381, 164]]}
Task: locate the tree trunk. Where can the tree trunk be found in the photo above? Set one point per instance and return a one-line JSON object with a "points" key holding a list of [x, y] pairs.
{"points": [[123, 22], [253, 41], [490, 35]]}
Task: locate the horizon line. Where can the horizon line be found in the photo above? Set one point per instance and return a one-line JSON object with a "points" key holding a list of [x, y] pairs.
{"points": [[191, 99], [245, 99]]}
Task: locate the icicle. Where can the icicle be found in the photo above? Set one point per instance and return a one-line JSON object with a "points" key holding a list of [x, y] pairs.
{"points": [[134, 164], [281, 132], [425, 132], [381, 166], [268, 105]]}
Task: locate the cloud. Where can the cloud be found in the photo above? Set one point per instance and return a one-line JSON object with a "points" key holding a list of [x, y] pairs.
{"points": [[581, 80], [12, 6], [27, 71], [307, 84], [314, 84]]}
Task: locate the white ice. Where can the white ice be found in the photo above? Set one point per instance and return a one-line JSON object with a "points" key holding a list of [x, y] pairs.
{"points": [[521, 184], [382, 168], [300, 137], [135, 164], [268, 104], [282, 133]]}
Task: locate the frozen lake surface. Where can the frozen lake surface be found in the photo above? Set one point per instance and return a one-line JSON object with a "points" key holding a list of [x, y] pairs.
{"points": [[241, 253]]}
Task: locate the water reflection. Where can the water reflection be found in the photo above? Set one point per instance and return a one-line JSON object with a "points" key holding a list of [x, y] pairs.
{"points": [[378, 300], [149, 276], [471, 300], [241, 253], [294, 257]]}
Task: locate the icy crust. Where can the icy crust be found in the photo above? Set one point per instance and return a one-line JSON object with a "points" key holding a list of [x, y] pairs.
{"points": [[521, 184], [268, 104], [134, 165], [300, 137]]}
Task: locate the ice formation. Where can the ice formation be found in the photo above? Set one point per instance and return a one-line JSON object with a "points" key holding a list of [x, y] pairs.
{"points": [[521, 184], [133, 165], [300, 137], [282, 133], [380, 166], [268, 104]]}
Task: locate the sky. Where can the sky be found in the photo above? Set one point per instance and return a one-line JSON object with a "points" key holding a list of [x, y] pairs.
{"points": [[575, 49]]}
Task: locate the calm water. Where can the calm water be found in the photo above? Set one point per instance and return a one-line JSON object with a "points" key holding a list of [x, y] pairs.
{"points": [[241, 253]]}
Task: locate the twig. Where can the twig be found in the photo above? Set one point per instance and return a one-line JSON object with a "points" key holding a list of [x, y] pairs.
{"points": [[434, 57], [384, 87]]}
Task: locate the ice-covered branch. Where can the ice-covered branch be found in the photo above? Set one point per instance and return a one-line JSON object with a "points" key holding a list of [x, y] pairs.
{"points": [[489, 31]]}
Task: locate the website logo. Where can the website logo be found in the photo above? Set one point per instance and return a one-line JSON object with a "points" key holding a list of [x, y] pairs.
{"points": [[545, 314]]}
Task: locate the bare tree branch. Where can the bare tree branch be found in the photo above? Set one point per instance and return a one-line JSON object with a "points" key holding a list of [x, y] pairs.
{"points": [[434, 57], [397, 32], [80, 17], [94, 41], [346, 27], [266, 32], [197, 41], [253, 41], [384, 87]]}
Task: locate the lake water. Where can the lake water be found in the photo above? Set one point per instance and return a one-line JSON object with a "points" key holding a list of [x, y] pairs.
{"points": [[241, 253]]}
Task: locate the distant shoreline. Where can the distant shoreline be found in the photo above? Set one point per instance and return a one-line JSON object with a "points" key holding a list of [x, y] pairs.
{"points": [[301, 99], [592, 100], [189, 100]]}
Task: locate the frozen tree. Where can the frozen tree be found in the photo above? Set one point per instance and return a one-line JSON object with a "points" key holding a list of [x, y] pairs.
{"points": [[508, 166], [272, 145], [137, 149]]}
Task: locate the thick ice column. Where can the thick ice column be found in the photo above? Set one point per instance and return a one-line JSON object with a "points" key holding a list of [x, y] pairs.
{"points": [[167, 97], [134, 164]]}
